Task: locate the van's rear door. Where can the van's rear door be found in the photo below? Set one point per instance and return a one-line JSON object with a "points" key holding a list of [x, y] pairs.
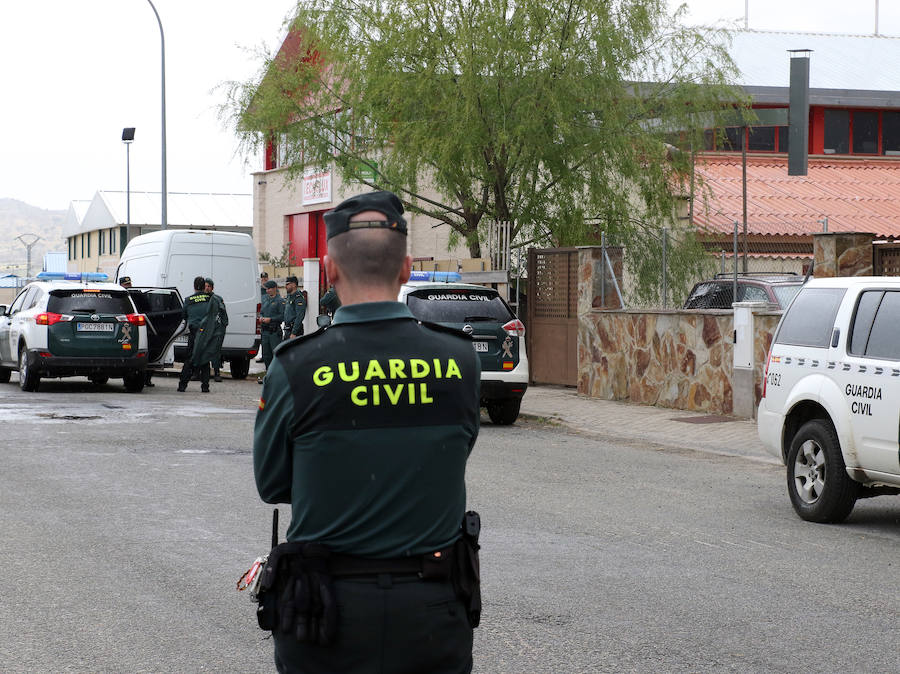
{"points": [[162, 307]]}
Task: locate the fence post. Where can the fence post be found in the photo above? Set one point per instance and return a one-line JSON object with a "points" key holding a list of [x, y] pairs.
{"points": [[734, 293], [665, 290], [603, 269]]}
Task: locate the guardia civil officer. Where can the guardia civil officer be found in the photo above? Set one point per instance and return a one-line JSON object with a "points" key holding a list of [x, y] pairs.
{"points": [[330, 301], [294, 308], [200, 311], [263, 279], [364, 427], [219, 330], [271, 315]]}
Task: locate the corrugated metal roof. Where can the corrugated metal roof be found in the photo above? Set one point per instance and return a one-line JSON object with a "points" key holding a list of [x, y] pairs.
{"points": [[856, 195], [853, 62]]}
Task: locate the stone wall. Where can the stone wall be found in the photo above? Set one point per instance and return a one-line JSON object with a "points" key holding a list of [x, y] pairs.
{"points": [[678, 359], [842, 254]]}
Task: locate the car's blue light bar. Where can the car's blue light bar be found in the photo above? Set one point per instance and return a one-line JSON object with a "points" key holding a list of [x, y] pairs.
{"points": [[66, 276], [442, 276]]}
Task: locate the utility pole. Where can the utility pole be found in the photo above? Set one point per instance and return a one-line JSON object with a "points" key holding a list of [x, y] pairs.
{"points": [[28, 247]]}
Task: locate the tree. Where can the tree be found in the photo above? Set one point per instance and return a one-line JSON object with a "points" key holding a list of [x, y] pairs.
{"points": [[557, 117]]}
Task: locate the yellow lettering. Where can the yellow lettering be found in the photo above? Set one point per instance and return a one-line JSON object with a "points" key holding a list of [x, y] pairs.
{"points": [[323, 376], [342, 370], [397, 366], [376, 396], [356, 395], [437, 368], [393, 395], [423, 394], [411, 389], [453, 370], [374, 371], [418, 368]]}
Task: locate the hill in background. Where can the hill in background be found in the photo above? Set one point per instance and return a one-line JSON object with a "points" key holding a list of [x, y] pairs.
{"points": [[17, 218]]}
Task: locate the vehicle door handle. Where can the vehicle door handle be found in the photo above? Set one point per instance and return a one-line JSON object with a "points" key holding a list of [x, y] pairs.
{"points": [[835, 337]]}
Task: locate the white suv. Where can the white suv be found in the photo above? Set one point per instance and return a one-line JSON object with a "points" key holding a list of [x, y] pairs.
{"points": [[830, 407]]}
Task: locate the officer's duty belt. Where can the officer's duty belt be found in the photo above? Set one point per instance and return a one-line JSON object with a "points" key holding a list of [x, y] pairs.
{"points": [[432, 566]]}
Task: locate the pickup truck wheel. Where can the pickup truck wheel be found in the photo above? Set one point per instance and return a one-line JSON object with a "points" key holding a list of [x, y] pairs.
{"points": [[818, 484], [239, 367], [28, 378], [4, 374], [504, 412]]}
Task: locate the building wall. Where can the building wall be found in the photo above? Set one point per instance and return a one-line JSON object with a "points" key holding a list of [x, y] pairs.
{"points": [[84, 251]]}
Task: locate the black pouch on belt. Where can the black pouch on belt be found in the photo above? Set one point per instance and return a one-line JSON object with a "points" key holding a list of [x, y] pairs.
{"points": [[466, 574], [296, 593]]}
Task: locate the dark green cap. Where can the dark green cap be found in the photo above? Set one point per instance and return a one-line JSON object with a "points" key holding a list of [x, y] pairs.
{"points": [[337, 221]]}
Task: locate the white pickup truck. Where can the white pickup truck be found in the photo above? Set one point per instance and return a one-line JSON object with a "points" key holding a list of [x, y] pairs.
{"points": [[830, 407]]}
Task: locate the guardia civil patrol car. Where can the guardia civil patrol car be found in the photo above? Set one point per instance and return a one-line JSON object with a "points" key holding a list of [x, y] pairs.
{"points": [[830, 407], [66, 325], [497, 336]]}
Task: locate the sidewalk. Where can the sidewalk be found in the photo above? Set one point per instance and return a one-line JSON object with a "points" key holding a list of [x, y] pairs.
{"points": [[627, 422]]}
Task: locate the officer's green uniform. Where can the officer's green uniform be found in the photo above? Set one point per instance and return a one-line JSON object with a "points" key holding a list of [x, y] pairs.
{"points": [[270, 333], [219, 331], [330, 301], [294, 313], [200, 310], [365, 427]]}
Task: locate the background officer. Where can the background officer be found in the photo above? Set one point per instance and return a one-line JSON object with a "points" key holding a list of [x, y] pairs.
{"points": [[219, 330], [364, 427], [330, 301], [263, 279], [271, 315], [294, 309], [200, 311]]}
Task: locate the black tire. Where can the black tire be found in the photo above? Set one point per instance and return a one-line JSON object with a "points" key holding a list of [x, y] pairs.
{"points": [[504, 412], [29, 380], [5, 372], [134, 383], [817, 480], [98, 379], [240, 367]]}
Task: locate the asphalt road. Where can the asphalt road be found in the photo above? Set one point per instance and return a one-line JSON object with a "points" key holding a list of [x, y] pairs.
{"points": [[126, 520]]}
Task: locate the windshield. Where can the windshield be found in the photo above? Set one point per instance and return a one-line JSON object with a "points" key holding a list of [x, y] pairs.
{"points": [[458, 305], [84, 301]]}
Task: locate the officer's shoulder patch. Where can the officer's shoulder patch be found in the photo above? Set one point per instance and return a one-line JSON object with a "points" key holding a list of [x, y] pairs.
{"points": [[445, 328], [291, 343]]}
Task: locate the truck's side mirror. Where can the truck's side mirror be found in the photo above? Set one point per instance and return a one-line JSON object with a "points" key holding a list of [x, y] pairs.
{"points": [[323, 320], [3, 310]]}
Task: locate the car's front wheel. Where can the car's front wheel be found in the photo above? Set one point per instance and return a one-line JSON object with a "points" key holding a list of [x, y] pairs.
{"points": [[134, 382], [818, 484], [28, 378], [504, 412]]}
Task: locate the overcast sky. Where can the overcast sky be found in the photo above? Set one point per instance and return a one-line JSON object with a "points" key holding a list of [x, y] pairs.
{"points": [[76, 72]]}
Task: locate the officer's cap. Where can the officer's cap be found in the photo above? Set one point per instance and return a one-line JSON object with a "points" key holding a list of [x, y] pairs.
{"points": [[271, 284], [291, 279], [124, 279], [264, 274], [337, 221]]}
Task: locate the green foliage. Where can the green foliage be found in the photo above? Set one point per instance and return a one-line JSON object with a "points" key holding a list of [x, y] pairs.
{"points": [[557, 117]]}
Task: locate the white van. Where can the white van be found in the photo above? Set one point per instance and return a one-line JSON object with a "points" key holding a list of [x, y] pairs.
{"points": [[172, 258]]}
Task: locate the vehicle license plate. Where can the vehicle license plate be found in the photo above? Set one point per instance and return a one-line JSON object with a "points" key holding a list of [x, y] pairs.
{"points": [[481, 347], [96, 327]]}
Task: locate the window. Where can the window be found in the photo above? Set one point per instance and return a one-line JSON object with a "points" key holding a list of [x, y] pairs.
{"points": [[890, 132], [837, 131], [783, 139], [810, 320], [112, 240], [82, 245], [761, 139], [123, 237], [865, 132], [883, 342], [733, 139], [88, 244], [78, 302], [755, 294], [71, 241], [101, 242], [862, 321]]}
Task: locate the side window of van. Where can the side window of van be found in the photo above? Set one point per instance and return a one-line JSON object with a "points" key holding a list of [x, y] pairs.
{"points": [[810, 319], [883, 341]]}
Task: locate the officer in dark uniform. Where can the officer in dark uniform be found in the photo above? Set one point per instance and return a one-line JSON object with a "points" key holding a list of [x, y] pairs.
{"points": [[294, 308], [220, 329], [271, 314], [200, 311], [364, 427], [330, 301], [263, 279]]}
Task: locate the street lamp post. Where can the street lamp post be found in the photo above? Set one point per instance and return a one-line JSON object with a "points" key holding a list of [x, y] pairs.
{"points": [[162, 40], [127, 138]]}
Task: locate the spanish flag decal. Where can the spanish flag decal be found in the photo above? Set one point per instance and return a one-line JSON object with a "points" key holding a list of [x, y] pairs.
{"points": [[262, 404]]}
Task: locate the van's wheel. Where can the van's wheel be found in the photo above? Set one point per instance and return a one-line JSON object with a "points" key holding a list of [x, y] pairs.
{"points": [[5, 372], [239, 367], [504, 412], [134, 382], [818, 484], [28, 378], [99, 379]]}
